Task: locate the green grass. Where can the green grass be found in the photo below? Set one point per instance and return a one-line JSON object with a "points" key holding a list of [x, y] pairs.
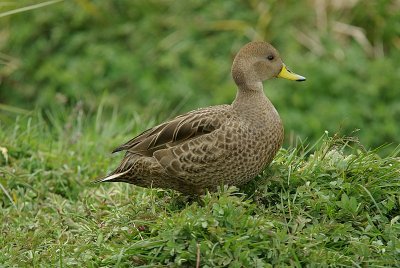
{"points": [[329, 204], [93, 73]]}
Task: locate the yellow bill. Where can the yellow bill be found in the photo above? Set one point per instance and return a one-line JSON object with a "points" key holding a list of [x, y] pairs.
{"points": [[286, 73]]}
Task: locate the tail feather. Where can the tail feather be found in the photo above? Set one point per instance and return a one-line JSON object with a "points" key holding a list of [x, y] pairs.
{"points": [[114, 177]]}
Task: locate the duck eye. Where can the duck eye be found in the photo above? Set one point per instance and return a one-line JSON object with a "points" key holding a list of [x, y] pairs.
{"points": [[270, 57]]}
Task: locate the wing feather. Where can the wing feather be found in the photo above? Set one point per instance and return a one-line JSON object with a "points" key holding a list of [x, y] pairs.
{"points": [[176, 131]]}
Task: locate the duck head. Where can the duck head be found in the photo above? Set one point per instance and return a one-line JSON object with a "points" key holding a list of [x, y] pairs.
{"points": [[259, 61]]}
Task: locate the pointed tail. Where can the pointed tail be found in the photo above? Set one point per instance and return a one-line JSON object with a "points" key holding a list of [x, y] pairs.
{"points": [[113, 177]]}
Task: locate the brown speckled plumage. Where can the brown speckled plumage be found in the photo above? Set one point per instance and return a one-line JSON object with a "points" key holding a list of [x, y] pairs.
{"points": [[209, 147]]}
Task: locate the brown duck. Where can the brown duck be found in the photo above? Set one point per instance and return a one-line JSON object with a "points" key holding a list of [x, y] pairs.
{"points": [[217, 145]]}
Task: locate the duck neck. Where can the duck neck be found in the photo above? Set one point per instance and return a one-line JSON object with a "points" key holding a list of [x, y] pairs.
{"points": [[249, 96], [252, 104]]}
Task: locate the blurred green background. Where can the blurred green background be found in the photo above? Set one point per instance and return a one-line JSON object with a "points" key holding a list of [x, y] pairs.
{"points": [[160, 58]]}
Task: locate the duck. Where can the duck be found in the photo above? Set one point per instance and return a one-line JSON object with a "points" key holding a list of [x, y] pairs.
{"points": [[214, 146]]}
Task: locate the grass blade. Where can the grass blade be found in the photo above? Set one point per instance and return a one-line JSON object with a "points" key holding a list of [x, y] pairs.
{"points": [[27, 8]]}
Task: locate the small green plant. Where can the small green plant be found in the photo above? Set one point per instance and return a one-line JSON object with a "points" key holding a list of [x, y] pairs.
{"points": [[348, 205]]}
